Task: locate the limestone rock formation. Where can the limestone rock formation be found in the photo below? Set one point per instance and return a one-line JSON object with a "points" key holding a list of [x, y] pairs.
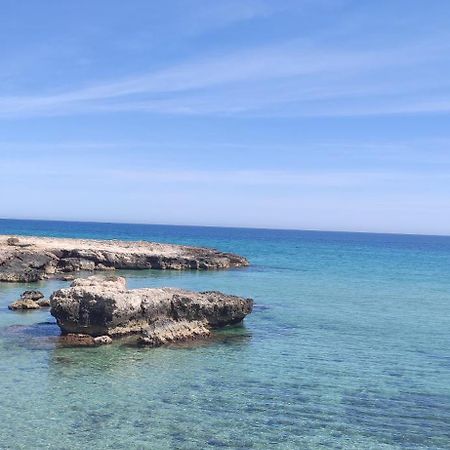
{"points": [[24, 304], [99, 306], [30, 300], [32, 295], [166, 331], [35, 258]]}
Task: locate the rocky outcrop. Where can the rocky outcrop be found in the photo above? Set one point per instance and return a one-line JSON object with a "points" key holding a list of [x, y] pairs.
{"points": [[30, 300], [27, 259], [32, 295], [99, 306], [23, 304]]}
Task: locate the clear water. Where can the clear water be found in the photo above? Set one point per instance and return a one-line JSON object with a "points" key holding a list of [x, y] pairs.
{"points": [[348, 347]]}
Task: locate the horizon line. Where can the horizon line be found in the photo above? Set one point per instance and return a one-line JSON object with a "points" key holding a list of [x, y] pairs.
{"points": [[312, 230]]}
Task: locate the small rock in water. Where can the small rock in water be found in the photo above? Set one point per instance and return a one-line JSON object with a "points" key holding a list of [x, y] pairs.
{"points": [[102, 340], [30, 300], [24, 304], [32, 295], [44, 303]]}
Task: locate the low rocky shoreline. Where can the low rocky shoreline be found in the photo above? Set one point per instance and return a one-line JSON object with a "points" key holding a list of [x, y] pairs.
{"points": [[94, 309], [28, 259]]}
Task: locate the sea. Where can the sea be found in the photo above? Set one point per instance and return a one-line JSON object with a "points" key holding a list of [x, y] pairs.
{"points": [[348, 347]]}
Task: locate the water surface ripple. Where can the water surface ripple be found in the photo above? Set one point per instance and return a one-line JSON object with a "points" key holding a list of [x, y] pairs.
{"points": [[348, 348]]}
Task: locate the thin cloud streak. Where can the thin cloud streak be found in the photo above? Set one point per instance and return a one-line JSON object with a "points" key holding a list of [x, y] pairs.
{"points": [[289, 74], [424, 152], [315, 179]]}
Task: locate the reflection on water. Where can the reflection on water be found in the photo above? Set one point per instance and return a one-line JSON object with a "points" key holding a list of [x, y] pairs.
{"points": [[46, 335]]}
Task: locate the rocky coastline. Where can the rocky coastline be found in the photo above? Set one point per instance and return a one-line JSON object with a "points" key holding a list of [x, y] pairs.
{"points": [[28, 259], [95, 309]]}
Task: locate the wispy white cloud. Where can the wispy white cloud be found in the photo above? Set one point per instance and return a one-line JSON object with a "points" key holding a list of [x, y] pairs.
{"points": [[214, 15], [310, 179], [282, 178], [294, 78], [375, 152]]}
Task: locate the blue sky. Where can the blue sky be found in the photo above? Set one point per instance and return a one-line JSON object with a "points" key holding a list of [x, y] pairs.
{"points": [[287, 114]]}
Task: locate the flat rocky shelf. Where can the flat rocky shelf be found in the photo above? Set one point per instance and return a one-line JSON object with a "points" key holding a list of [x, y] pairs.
{"points": [[27, 258]]}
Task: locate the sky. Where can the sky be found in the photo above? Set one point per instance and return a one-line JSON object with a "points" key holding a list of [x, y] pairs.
{"points": [[305, 114]]}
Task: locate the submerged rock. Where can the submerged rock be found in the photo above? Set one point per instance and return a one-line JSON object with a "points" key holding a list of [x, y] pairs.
{"points": [[99, 306], [83, 340], [37, 258]]}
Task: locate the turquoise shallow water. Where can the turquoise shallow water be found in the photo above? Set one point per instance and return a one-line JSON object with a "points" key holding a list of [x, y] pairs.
{"points": [[348, 348]]}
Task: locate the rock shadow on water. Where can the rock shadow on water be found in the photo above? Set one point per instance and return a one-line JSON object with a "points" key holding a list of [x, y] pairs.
{"points": [[258, 307], [236, 335], [124, 356], [232, 335], [47, 335], [38, 336]]}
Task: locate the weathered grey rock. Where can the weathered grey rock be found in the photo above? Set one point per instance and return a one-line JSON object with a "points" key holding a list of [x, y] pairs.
{"points": [[102, 340], [12, 241], [24, 304], [32, 295], [30, 300], [99, 306], [44, 303], [67, 277], [167, 331], [37, 258]]}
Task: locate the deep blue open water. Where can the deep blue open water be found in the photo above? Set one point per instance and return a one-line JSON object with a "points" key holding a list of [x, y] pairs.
{"points": [[348, 348]]}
